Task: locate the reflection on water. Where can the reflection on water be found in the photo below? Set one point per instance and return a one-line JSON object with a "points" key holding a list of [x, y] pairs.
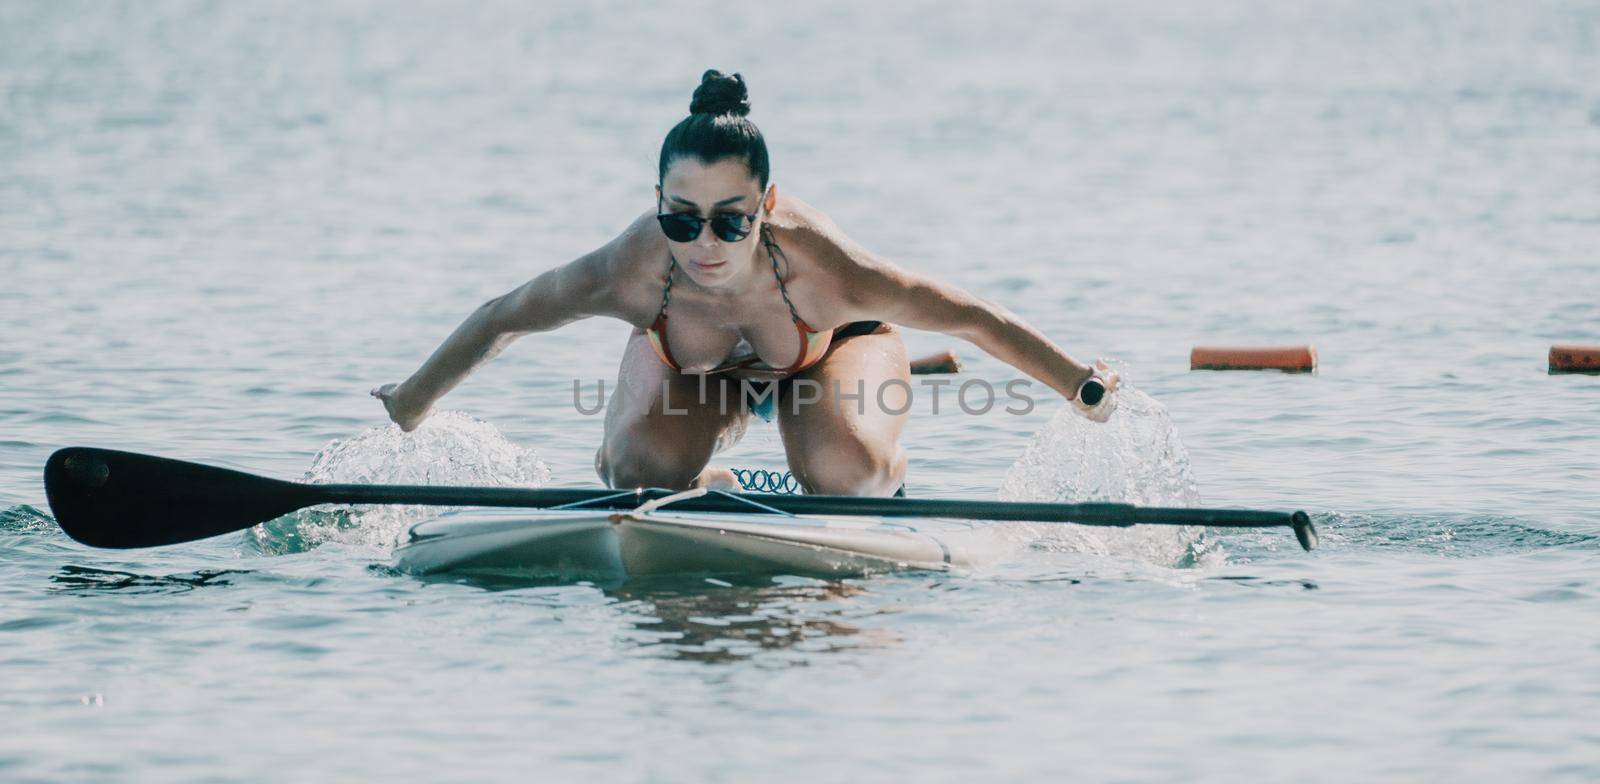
{"points": [[723, 622], [1247, 580], [84, 578], [728, 618]]}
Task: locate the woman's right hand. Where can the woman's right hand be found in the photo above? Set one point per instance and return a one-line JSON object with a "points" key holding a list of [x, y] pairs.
{"points": [[398, 412]]}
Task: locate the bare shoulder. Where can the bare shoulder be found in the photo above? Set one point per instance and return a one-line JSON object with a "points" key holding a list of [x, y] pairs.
{"points": [[841, 267], [812, 234], [630, 270], [807, 228]]}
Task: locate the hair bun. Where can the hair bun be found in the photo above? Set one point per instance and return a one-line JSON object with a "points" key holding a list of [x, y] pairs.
{"points": [[720, 93]]}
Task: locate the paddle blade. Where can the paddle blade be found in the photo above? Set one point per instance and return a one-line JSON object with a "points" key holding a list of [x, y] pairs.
{"points": [[106, 498], [1304, 530]]}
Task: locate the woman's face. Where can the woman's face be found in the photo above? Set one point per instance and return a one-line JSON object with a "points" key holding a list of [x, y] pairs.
{"points": [[695, 187]]}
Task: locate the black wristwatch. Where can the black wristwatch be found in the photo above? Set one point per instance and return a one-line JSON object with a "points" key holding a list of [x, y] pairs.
{"points": [[1092, 391]]}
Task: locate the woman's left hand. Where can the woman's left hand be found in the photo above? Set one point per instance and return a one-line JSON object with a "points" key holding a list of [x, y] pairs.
{"points": [[1103, 410]]}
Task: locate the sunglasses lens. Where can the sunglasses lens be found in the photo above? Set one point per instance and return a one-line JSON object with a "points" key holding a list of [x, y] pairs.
{"points": [[731, 228], [679, 228]]}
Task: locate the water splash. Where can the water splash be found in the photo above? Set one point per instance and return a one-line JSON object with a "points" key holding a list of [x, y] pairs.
{"points": [[1136, 457], [450, 448], [25, 519]]}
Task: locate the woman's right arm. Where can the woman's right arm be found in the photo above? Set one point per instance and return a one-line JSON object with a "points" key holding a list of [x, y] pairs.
{"points": [[577, 290]]}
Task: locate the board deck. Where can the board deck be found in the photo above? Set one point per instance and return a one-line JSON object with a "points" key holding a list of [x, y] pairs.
{"points": [[612, 544]]}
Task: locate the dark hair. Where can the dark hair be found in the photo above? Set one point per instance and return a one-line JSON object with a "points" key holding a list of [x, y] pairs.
{"points": [[717, 128]]}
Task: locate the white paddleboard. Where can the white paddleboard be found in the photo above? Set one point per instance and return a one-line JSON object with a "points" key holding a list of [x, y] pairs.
{"points": [[648, 542]]}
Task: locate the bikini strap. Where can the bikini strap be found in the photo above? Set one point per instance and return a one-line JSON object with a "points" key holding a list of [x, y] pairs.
{"points": [[658, 328], [666, 293], [770, 243]]}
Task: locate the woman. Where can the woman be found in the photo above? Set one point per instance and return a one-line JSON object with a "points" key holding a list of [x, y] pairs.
{"points": [[762, 293]]}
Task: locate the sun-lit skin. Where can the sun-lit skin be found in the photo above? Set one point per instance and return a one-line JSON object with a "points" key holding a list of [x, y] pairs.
{"points": [[662, 425]]}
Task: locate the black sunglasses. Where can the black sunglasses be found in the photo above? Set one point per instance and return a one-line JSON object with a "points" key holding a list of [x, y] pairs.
{"points": [[685, 226]]}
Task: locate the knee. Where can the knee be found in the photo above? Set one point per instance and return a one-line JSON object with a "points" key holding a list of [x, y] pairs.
{"points": [[644, 468], [853, 470]]}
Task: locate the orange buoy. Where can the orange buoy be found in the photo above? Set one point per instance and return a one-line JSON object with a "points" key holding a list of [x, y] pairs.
{"points": [[943, 362], [1574, 359], [1289, 359]]}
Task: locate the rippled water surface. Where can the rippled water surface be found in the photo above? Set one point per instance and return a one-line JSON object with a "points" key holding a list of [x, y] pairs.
{"points": [[221, 224]]}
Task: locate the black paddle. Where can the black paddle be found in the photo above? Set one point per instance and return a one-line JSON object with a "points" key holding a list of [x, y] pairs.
{"points": [[106, 498]]}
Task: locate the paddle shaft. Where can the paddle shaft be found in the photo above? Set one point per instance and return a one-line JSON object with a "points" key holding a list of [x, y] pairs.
{"points": [[1102, 514]]}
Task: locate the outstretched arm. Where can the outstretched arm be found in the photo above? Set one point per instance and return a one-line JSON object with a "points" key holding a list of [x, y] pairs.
{"points": [[879, 289], [556, 297]]}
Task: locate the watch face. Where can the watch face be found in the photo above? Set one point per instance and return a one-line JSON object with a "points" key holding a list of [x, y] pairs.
{"points": [[1092, 392]]}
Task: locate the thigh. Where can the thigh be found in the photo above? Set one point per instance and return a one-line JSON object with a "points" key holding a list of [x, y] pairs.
{"points": [[662, 417], [850, 407]]}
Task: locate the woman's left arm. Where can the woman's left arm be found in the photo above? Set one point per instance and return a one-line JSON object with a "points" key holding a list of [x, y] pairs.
{"points": [[878, 289]]}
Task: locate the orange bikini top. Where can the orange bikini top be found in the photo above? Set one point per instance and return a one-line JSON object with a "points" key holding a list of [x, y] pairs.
{"points": [[813, 343]]}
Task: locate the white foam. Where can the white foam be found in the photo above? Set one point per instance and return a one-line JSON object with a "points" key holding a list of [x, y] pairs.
{"points": [[450, 448], [1136, 457]]}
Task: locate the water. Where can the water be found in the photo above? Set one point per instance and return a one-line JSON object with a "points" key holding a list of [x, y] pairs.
{"points": [[221, 224]]}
